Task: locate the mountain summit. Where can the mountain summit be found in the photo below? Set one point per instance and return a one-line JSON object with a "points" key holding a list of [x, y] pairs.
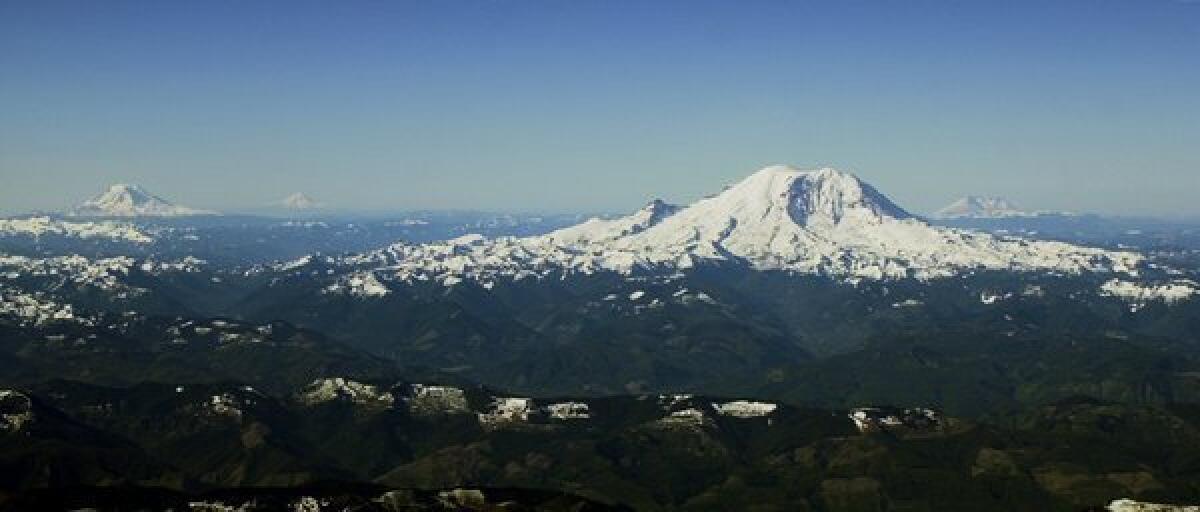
{"points": [[752, 211], [823, 221], [781, 196], [824, 195], [125, 200]]}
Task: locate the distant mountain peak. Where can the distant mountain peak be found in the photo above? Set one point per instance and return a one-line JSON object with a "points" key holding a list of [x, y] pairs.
{"points": [[980, 207], [991, 207], [131, 200], [299, 201]]}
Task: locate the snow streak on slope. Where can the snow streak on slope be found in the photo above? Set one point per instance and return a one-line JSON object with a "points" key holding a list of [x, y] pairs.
{"points": [[122, 200], [822, 222]]}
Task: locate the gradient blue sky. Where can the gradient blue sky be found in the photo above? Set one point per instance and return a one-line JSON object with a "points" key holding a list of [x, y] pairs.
{"points": [[565, 105]]}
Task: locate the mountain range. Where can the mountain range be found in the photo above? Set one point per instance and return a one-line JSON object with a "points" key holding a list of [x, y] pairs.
{"points": [[796, 340]]}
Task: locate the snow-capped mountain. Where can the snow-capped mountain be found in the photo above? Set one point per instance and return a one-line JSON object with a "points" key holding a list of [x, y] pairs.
{"points": [[125, 200], [824, 222], [981, 207], [299, 201]]}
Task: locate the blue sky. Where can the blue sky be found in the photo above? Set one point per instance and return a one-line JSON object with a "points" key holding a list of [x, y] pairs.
{"points": [[578, 105]]}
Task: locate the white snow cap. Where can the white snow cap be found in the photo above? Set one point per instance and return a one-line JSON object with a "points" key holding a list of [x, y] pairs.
{"points": [[125, 200]]}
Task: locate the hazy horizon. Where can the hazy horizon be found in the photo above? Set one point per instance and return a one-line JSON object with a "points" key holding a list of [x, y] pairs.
{"points": [[324, 209], [1087, 106]]}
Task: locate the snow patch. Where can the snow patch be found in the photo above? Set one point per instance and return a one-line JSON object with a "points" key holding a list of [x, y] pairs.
{"points": [[364, 285], [224, 405], [187, 265], [989, 297], [106, 274], [339, 388], [908, 303], [16, 411], [1128, 505], [427, 400], [745, 409], [569, 411], [42, 226], [690, 417], [1139, 294], [294, 264], [668, 402], [871, 419], [507, 410], [34, 309]]}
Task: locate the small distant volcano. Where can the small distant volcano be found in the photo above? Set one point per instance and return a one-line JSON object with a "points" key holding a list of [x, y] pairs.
{"points": [[980, 207], [990, 207], [299, 201]]}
